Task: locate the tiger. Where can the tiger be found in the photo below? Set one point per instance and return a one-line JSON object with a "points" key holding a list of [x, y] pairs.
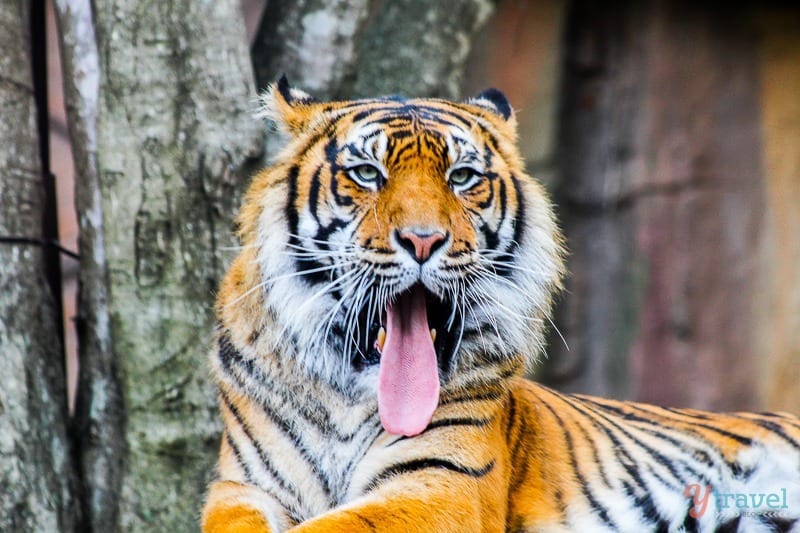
{"points": [[394, 282]]}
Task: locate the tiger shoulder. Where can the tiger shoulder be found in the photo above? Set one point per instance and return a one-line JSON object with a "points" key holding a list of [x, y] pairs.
{"points": [[395, 278]]}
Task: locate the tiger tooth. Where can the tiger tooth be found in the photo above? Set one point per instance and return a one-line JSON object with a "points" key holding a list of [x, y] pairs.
{"points": [[433, 334], [381, 339]]}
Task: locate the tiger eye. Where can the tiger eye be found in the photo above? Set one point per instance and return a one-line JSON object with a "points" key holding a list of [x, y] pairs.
{"points": [[367, 172], [460, 176]]}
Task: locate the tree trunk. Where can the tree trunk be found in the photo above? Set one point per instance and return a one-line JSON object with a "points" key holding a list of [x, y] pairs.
{"points": [[312, 42], [36, 468], [175, 138], [356, 48], [661, 194], [99, 411], [418, 48]]}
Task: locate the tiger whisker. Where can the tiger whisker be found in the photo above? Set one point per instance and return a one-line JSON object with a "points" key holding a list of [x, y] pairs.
{"points": [[326, 289], [503, 264], [304, 238], [491, 317], [351, 316], [328, 324], [299, 273]]}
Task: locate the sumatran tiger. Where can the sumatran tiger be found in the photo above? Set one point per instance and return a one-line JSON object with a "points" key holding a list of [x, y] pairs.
{"points": [[395, 279]]}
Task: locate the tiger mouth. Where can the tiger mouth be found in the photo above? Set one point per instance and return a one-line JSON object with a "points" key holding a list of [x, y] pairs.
{"points": [[445, 323]]}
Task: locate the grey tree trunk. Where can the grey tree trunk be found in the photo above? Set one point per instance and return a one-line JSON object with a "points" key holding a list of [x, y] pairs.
{"points": [[661, 195], [174, 139], [99, 411], [37, 478], [360, 48]]}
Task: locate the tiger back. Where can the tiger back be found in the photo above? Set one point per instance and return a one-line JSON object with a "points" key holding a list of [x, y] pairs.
{"points": [[395, 278]]}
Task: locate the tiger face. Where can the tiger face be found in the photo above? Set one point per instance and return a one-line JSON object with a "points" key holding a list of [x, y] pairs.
{"points": [[402, 251]]}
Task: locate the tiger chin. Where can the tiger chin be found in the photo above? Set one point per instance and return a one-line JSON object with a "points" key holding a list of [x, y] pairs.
{"points": [[395, 279]]}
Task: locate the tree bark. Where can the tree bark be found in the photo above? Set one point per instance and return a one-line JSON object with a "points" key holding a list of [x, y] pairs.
{"points": [[311, 41], [36, 469], [661, 194], [418, 48], [175, 143], [357, 48], [99, 410]]}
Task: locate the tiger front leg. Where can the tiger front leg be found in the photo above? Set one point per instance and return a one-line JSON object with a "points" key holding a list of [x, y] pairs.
{"points": [[233, 507], [433, 500]]}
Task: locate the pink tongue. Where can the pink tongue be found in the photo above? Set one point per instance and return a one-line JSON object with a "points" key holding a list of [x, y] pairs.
{"points": [[408, 380]]}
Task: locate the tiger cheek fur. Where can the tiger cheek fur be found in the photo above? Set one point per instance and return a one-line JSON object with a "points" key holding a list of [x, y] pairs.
{"points": [[396, 271]]}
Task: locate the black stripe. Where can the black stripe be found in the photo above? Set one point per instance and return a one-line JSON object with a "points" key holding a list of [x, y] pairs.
{"points": [[642, 500], [266, 461], [465, 421], [302, 264], [645, 503], [291, 510], [392, 120], [416, 465], [595, 452], [447, 422], [437, 114], [397, 135], [355, 458], [248, 475], [315, 413], [370, 524], [690, 524], [519, 217], [652, 452], [657, 429], [398, 155], [297, 442], [423, 112], [458, 114], [776, 428], [601, 510], [518, 464], [332, 121], [472, 397], [323, 232], [361, 115], [489, 235], [229, 356], [746, 441], [312, 411], [485, 204], [731, 526], [313, 194], [778, 524], [291, 208]]}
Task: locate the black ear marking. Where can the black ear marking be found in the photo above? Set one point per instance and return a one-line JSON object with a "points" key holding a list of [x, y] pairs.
{"points": [[284, 89], [493, 100], [291, 95]]}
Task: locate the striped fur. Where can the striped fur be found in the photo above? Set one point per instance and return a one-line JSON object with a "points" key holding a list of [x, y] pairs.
{"points": [[303, 446]]}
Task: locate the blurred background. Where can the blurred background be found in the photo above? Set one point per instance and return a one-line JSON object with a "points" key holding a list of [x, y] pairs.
{"points": [[668, 133]]}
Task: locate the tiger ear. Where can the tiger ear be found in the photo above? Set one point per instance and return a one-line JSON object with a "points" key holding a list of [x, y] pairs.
{"points": [[291, 109], [495, 101]]}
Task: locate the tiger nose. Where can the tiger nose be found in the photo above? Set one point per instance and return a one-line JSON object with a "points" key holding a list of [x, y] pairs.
{"points": [[420, 244]]}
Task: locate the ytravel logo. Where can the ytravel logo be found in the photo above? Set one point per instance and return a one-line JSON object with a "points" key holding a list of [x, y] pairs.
{"points": [[735, 502]]}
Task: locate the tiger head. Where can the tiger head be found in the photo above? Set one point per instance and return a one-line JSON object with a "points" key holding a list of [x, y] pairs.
{"points": [[396, 247]]}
